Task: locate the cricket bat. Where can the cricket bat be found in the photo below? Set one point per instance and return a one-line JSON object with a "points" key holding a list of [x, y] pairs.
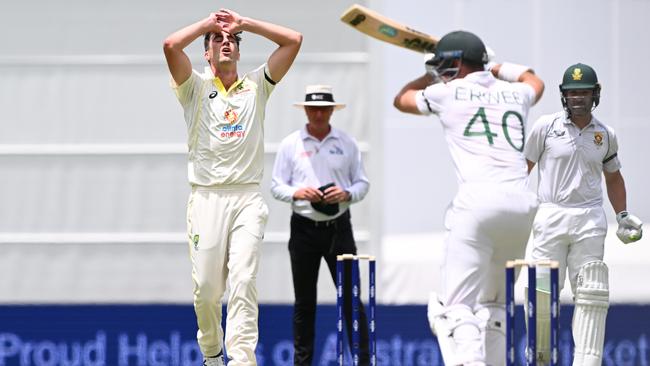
{"points": [[385, 29]]}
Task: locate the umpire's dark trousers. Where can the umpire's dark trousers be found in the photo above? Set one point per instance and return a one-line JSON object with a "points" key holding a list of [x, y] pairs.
{"points": [[309, 242]]}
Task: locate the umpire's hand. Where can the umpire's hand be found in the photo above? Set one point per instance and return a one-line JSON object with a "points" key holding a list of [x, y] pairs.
{"points": [[335, 195], [310, 194]]}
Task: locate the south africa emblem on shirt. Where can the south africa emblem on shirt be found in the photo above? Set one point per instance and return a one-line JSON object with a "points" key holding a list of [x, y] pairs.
{"points": [[598, 138], [230, 115]]}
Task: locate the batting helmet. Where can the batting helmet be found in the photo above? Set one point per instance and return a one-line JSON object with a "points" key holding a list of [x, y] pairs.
{"points": [[580, 77], [456, 46], [468, 46]]}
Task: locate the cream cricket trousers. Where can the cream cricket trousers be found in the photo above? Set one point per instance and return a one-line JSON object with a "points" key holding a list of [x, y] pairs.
{"points": [[572, 236], [487, 225], [225, 225]]}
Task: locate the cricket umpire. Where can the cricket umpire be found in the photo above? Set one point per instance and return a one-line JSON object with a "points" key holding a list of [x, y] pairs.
{"points": [[319, 170]]}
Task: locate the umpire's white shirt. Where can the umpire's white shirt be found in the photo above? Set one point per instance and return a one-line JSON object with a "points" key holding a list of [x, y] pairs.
{"points": [[571, 160], [304, 161]]}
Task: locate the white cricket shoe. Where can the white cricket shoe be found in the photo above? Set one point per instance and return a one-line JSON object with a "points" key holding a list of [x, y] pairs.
{"points": [[213, 361]]}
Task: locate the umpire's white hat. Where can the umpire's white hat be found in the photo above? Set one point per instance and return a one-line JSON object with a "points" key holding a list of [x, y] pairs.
{"points": [[319, 96]]}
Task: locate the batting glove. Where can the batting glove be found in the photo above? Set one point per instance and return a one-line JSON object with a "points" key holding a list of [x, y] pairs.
{"points": [[629, 227]]}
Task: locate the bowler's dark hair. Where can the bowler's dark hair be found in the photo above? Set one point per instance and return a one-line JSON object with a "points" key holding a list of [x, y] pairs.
{"points": [[208, 36]]}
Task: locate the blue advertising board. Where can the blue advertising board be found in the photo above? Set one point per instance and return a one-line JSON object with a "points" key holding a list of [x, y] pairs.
{"points": [[164, 335]]}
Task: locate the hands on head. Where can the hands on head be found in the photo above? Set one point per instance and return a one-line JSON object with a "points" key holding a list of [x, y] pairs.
{"points": [[226, 20]]}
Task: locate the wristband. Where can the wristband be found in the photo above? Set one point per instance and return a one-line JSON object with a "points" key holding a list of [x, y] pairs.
{"points": [[511, 72]]}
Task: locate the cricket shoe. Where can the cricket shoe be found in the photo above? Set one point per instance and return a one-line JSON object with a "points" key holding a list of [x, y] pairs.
{"points": [[214, 361]]}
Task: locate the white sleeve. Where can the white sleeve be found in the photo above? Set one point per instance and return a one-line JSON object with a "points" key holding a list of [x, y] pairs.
{"points": [[611, 163], [360, 184], [430, 100], [281, 188], [527, 93], [189, 89], [534, 146], [264, 82]]}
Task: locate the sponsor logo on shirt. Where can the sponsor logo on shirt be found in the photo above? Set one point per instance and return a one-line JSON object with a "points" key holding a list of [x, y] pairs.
{"points": [[335, 150], [213, 95], [241, 88], [230, 115], [233, 131], [306, 154], [557, 133]]}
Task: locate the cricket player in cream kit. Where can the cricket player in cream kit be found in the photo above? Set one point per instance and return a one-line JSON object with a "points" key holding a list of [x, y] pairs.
{"points": [[573, 151], [484, 119], [226, 214]]}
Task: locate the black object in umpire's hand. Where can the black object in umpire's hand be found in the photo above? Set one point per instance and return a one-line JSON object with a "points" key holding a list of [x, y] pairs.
{"points": [[327, 209]]}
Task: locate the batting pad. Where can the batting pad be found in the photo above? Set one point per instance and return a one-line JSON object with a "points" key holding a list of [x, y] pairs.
{"points": [[493, 331], [590, 313], [458, 331]]}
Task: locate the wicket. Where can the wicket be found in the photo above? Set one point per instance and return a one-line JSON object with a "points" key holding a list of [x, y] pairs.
{"points": [[356, 285], [531, 349]]}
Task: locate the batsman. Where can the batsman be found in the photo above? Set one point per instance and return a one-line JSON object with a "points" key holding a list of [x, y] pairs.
{"points": [[574, 150], [483, 112]]}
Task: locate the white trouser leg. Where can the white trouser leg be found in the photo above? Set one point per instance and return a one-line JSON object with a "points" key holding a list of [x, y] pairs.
{"points": [[209, 287], [225, 228], [207, 244], [574, 237], [241, 324], [243, 263]]}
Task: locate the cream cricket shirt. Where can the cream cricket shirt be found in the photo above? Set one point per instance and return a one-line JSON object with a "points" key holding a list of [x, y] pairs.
{"points": [[571, 161], [304, 161], [225, 127], [483, 119]]}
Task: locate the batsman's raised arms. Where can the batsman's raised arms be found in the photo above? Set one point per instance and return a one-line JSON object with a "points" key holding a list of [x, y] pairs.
{"points": [[385, 29]]}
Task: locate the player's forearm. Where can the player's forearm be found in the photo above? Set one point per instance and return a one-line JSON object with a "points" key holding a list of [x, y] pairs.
{"points": [[535, 82], [282, 36], [420, 83], [519, 73], [182, 38], [405, 100], [616, 191], [289, 42], [178, 62]]}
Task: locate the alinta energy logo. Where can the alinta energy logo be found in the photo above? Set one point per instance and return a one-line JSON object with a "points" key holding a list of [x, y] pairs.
{"points": [[232, 130]]}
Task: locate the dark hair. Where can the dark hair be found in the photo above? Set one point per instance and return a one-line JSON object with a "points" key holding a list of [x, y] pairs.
{"points": [[207, 36]]}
